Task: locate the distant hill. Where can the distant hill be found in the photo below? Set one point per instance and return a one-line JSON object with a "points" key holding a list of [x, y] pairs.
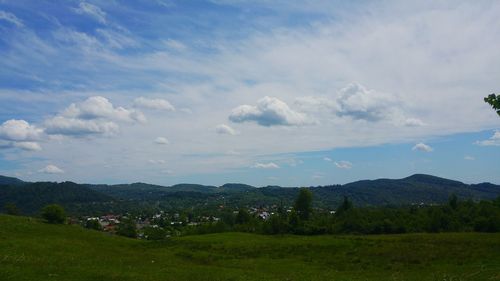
{"points": [[84, 198], [10, 181], [417, 188], [31, 197]]}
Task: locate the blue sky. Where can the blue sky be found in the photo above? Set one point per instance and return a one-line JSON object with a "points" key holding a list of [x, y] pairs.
{"points": [[261, 92]]}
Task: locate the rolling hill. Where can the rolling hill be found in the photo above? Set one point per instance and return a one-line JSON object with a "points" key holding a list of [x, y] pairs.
{"points": [[415, 189]]}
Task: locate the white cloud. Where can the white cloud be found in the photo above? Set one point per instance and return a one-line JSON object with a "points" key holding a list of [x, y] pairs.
{"points": [[158, 104], [469, 158], [51, 169], [492, 141], [94, 116], [269, 112], [343, 164], [19, 130], [413, 122], [99, 107], [328, 159], [20, 134], [161, 141], [422, 147], [357, 102], [28, 145], [11, 18], [61, 125], [92, 10], [224, 129], [269, 165]]}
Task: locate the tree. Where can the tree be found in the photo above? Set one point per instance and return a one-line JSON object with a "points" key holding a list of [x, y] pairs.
{"points": [[54, 213], [453, 201], [154, 233], [494, 101], [345, 206], [303, 204], [242, 217], [93, 224], [11, 209], [127, 228]]}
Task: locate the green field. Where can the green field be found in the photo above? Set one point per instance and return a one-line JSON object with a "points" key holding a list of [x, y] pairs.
{"points": [[32, 250]]}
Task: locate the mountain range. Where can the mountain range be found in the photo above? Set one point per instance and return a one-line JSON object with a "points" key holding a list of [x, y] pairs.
{"points": [[29, 197]]}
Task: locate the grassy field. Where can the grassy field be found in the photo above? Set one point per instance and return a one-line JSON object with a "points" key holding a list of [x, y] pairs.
{"points": [[32, 250]]}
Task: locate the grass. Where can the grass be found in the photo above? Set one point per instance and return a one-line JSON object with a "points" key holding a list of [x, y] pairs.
{"points": [[32, 250]]}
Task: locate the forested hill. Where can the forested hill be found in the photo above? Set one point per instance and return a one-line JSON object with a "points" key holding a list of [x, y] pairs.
{"points": [[10, 181], [416, 189]]}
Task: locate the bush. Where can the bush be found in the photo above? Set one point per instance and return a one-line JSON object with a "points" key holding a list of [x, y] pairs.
{"points": [[11, 209], [54, 214]]}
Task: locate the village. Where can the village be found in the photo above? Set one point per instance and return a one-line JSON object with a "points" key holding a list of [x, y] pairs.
{"points": [[162, 224]]}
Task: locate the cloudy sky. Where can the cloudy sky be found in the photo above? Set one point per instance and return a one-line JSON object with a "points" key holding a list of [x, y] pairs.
{"points": [[259, 92]]}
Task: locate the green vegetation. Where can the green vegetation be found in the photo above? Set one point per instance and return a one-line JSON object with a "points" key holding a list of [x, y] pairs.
{"points": [[31, 250], [494, 101], [54, 214], [93, 200], [11, 209], [456, 216]]}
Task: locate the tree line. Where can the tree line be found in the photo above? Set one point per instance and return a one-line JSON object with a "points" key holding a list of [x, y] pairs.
{"points": [[455, 216]]}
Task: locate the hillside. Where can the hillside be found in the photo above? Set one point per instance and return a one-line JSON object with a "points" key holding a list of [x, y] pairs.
{"points": [[31, 197], [32, 250], [10, 181], [83, 198]]}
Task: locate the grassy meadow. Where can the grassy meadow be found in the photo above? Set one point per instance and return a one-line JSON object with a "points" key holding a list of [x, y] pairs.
{"points": [[33, 250]]}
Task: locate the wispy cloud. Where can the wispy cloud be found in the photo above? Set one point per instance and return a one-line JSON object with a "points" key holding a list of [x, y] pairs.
{"points": [[343, 164], [492, 141], [6, 16], [269, 165], [91, 10]]}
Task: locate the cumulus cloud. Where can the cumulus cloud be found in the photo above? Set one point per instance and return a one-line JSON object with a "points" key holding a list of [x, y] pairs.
{"points": [[343, 164], [492, 141], [269, 165], [158, 104], [161, 141], [422, 147], [19, 130], [91, 10], [100, 107], [269, 111], [20, 134], [96, 115], [6, 16], [359, 103], [328, 159], [224, 129], [51, 169]]}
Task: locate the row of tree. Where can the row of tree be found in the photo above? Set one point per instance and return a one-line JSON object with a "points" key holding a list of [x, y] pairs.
{"points": [[456, 216]]}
